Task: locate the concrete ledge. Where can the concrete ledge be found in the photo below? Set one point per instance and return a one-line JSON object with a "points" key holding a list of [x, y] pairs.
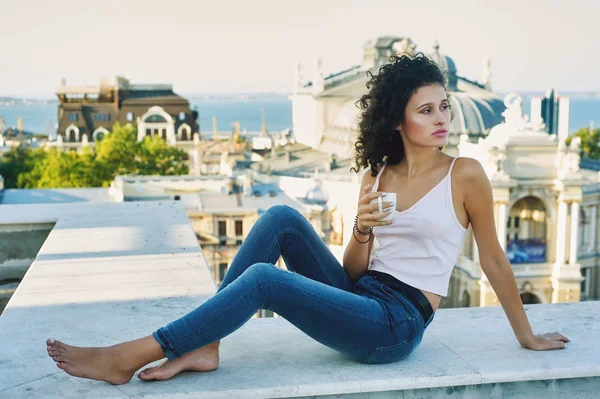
{"points": [[137, 266]]}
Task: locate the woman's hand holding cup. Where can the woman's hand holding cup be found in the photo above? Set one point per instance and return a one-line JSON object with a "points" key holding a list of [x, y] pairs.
{"points": [[375, 209]]}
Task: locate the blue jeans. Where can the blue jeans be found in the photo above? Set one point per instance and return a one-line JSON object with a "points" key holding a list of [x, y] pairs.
{"points": [[366, 320]]}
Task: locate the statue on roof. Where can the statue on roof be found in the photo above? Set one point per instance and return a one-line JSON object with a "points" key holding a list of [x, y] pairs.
{"points": [[487, 73], [404, 46], [297, 77], [513, 115]]}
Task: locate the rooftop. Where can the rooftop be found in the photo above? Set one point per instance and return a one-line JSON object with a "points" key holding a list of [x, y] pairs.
{"points": [[54, 195], [114, 272]]}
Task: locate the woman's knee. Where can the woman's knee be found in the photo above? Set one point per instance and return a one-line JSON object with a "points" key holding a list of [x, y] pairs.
{"points": [[283, 213], [261, 271]]}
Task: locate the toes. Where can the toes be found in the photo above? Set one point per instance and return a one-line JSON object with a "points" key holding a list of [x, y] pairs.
{"points": [[151, 375], [147, 369], [155, 373], [54, 344], [59, 358], [55, 351], [63, 366], [60, 345]]}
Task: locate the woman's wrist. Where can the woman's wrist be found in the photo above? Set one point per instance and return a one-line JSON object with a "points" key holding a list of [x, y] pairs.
{"points": [[359, 229], [361, 241], [527, 341]]}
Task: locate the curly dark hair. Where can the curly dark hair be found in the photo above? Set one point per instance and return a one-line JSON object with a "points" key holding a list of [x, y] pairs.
{"points": [[383, 108]]}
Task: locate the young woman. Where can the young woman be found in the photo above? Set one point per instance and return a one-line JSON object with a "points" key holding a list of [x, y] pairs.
{"points": [[372, 312]]}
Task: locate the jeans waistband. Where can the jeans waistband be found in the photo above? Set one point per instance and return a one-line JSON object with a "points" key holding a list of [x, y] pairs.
{"points": [[414, 295]]}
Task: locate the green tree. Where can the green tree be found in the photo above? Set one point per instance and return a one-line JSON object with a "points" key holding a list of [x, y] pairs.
{"points": [[590, 142], [54, 168], [119, 153], [12, 164], [156, 158], [116, 153]]}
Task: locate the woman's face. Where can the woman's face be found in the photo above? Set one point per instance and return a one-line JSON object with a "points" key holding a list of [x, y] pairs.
{"points": [[427, 117]]}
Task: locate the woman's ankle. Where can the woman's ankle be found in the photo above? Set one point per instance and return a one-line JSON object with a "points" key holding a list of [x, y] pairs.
{"points": [[134, 354]]}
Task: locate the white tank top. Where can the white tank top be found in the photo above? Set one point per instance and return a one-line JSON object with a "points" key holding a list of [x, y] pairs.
{"points": [[423, 242]]}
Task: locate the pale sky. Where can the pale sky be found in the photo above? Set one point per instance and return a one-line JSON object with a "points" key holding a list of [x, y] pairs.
{"points": [[251, 46]]}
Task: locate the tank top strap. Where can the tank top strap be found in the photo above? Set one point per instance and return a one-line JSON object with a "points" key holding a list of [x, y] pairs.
{"points": [[449, 183], [451, 166], [376, 185]]}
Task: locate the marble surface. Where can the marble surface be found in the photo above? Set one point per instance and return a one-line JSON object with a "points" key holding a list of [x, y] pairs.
{"points": [[114, 272]]}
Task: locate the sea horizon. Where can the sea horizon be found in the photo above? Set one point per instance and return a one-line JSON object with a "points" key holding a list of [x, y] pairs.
{"points": [[40, 114]]}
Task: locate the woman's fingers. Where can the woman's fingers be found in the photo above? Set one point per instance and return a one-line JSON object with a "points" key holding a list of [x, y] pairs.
{"points": [[370, 196], [375, 216], [370, 208], [558, 336]]}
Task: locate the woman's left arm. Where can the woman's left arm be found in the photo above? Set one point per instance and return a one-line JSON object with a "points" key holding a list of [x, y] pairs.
{"points": [[478, 203]]}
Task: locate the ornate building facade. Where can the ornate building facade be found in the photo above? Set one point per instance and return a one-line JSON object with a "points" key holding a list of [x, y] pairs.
{"points": [[545, 209], [545, 206], [325, 114], [87, 113]]}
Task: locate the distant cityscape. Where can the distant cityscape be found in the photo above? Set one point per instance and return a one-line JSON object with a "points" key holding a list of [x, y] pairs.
{"points": [[40, 116], [246, 152], [12, 100]]}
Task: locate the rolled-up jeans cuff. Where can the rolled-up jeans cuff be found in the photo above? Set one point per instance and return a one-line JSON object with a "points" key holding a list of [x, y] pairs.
{"points": [[165, 345]]}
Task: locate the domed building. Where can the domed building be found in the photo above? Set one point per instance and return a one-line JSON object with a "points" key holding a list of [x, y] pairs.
{"points": [[325, 114], [316, 194]]}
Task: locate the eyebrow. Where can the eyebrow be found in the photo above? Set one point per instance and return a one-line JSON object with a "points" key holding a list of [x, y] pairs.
{"points": [[430, 104]]}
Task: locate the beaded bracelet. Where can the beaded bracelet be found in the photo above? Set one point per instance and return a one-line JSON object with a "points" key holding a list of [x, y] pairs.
{"points": [[362, 242], [364, 233]]}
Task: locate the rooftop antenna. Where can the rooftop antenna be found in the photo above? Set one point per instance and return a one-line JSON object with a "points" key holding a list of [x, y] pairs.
{"points": [[236, 132], [20, 129], [215, 128], [264, 132]]}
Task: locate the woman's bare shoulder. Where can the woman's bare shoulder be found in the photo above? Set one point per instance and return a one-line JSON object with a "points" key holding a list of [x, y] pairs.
{"points": [[367, 178], [467, 168]]}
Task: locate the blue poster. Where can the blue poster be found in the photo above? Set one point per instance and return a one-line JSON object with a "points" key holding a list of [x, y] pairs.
{"points": [[532, 250]]}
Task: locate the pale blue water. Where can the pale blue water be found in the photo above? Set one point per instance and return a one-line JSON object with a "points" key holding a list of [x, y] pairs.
{"points": [[41, 118], [278, 114]]}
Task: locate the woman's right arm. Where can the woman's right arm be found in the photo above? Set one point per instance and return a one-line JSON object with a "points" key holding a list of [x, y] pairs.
{"points": [[357, 254]]}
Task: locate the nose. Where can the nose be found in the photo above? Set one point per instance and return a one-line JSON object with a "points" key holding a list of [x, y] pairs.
{"points": [[441, 118]]}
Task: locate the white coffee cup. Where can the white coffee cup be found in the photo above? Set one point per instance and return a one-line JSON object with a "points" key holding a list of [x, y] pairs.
{"points": [[388, 197]]}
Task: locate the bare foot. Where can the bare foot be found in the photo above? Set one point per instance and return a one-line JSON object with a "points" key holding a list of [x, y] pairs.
{"points": [[202, 359], [94, 363]]}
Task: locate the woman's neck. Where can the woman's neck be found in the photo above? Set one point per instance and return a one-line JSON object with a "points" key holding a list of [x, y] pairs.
{"points": [[417, 163]]}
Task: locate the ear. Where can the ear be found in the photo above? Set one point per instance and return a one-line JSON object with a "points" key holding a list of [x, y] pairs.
{"points": [[399, 127]]}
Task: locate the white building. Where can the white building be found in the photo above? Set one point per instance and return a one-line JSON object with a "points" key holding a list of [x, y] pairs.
{"points": [[325, 114]]}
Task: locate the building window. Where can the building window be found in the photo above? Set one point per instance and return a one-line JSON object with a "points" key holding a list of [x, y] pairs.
{"points": [[222, 228], [222, 271], [508, 222], [517, 219], [129, 116], [155, 119], [73, 117], [182, 116], [586, 274], [101, 117], [239, 228]]}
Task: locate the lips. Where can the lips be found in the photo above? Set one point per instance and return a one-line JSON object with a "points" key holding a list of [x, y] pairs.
{"points": [[440, 133]]}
